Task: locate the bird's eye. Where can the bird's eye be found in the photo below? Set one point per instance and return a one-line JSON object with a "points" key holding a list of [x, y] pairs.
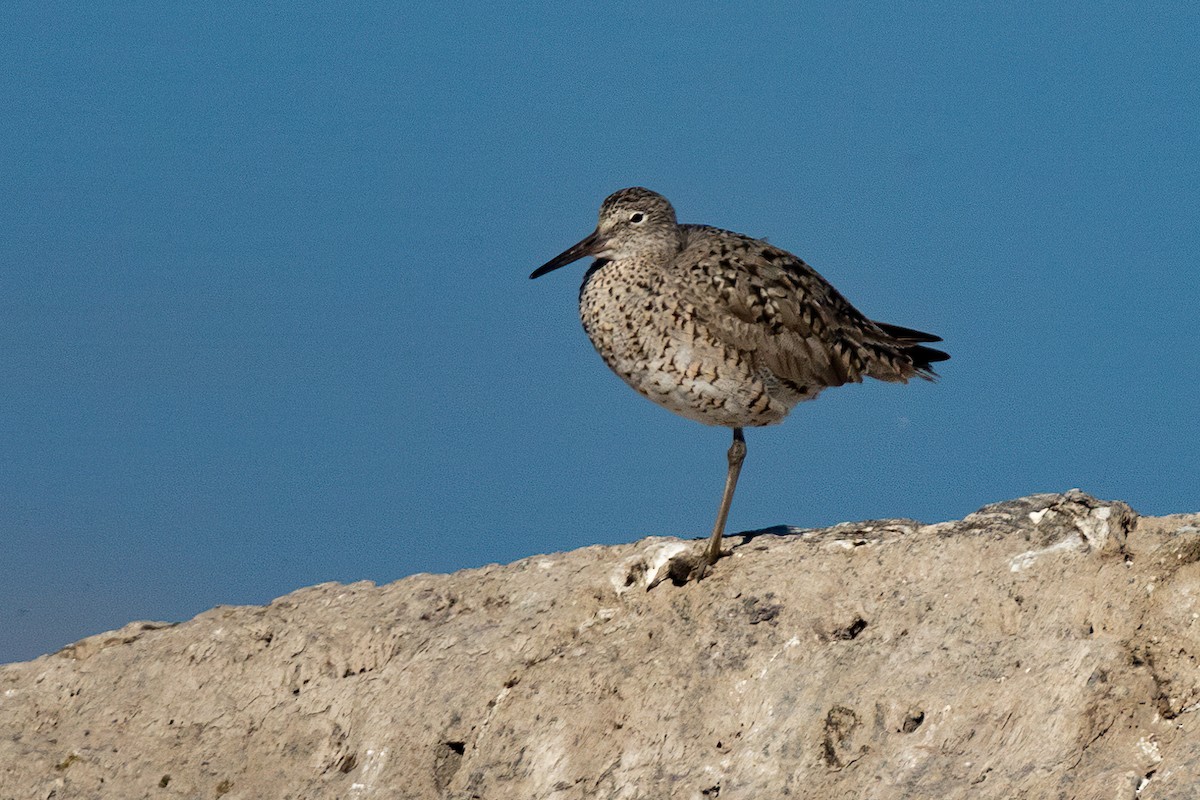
{"points": [[637, 217]]}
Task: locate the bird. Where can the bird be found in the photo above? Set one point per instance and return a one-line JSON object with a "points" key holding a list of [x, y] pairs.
{"points": [[723, 328]]}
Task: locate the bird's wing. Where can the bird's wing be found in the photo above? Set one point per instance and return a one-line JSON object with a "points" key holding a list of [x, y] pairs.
{"points": [[763, 300]]}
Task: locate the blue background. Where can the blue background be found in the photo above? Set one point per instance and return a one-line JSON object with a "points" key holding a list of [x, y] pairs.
{"points": [[266, 318]]}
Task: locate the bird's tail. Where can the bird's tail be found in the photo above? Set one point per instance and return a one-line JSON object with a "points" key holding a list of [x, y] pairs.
{"points": [[912, 346]]}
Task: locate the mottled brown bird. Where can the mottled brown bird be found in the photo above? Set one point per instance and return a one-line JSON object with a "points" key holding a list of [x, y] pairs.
{"points": [[722, 328]]}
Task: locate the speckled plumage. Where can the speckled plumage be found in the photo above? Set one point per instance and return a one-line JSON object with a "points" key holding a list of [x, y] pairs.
{"points": [[722, 328]]}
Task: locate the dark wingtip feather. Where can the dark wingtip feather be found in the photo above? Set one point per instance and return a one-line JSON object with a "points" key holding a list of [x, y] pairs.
{"points": [[908, 335], [923, 359], [923, 356]]}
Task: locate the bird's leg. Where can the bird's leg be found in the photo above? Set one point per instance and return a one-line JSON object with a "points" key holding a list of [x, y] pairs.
{"points": [[737, 454], [693, 566]]}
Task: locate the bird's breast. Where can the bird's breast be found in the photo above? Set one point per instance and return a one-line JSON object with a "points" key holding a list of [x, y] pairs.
{"points": [[652, 337]]}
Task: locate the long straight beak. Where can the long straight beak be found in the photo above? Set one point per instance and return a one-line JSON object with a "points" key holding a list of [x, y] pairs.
{"points": [[588, 247]]}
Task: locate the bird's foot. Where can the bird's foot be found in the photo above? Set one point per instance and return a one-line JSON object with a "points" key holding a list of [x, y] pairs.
{"points": [[686, 567]]}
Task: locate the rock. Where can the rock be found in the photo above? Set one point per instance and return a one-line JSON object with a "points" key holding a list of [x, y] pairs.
{"points": [[1044, 647]]}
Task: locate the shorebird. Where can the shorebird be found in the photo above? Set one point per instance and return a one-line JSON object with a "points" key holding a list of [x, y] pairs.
{"points": [[724, 329]]}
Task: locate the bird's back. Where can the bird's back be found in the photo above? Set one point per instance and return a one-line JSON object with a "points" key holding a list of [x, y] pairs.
{"points": [[767, 302]]}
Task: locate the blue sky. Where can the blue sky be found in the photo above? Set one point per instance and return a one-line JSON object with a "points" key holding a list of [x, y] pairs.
{"points": [[267, 320]]}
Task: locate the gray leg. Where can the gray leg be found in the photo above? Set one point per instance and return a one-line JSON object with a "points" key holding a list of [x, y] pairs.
{"points": [[737, 454], [693, 565]]}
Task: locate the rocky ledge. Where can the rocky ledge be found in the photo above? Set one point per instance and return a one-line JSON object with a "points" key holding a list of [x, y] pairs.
{"points": [[1044, 647]]}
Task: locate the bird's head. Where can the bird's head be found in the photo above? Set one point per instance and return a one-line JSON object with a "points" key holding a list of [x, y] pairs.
{"points": [[633, 222]]}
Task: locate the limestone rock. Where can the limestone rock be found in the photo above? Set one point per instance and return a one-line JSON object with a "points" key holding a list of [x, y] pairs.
{"points": [[1044, 647]]}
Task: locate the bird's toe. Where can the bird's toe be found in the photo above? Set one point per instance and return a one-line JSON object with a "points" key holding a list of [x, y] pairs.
{"points": [[688, 566]]}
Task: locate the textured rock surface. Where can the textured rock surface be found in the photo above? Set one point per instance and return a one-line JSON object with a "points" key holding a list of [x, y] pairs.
{"points": [[1042, 647]]}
